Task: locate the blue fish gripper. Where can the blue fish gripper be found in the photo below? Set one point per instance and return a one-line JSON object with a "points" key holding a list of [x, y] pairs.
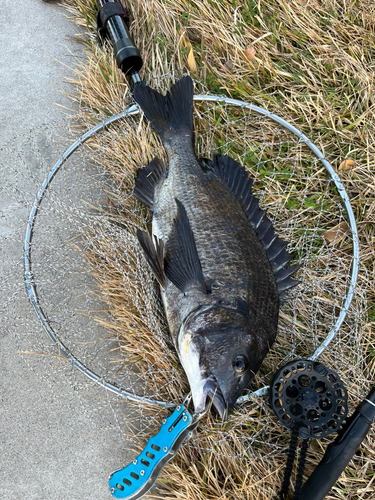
{"points": [[138, 477]]}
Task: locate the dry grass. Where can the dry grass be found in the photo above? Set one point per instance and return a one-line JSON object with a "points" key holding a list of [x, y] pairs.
{"points": [[314, 66]]}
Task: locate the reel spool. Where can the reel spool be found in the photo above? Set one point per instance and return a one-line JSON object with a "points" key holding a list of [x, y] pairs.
{"points": [[308, 396], [310, 400]]}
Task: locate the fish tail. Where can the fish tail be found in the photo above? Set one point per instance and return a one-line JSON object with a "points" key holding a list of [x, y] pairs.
{"points": [[170, 115]]}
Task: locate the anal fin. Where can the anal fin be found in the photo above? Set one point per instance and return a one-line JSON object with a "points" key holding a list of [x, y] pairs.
{"points": [[154, 254], [182, 265], [147, 179]]}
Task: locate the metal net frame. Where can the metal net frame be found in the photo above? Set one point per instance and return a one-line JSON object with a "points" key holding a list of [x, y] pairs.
{"points": [[96, 297]]}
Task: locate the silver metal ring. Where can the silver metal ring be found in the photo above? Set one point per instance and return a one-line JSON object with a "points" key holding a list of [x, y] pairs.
{"points": [[134, 110]]}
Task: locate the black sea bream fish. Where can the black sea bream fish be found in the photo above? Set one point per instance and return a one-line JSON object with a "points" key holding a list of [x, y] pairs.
{"points": [[219, 263]]}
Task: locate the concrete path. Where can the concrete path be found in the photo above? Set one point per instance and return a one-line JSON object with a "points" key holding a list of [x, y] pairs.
{"points": [[49, 448]]}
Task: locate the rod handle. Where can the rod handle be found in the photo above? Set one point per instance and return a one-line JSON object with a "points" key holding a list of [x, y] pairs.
{"points": [[113, 22], [341, 451]]}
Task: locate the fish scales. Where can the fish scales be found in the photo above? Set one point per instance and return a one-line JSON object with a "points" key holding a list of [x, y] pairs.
{"points": [[217, 282], [232, 257]]}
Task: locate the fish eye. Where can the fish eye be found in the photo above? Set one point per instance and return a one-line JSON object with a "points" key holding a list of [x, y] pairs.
{"points": [[240, 364]]}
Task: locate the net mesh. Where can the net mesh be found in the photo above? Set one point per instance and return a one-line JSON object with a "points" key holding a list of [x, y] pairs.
{"points": [[101, 301]]}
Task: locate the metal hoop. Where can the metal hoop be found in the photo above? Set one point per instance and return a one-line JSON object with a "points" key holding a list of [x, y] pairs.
{"points": [[134, 110]]}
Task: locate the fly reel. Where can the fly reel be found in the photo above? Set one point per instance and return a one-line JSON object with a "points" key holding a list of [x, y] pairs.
{"points": [[308, 397], [310, 400]]}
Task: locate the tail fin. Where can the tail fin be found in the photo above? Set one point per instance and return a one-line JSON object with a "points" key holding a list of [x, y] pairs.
{"points": [[171, 114]]}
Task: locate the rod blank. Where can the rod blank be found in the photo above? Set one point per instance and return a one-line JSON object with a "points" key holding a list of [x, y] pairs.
{"points": [[341, 451]]}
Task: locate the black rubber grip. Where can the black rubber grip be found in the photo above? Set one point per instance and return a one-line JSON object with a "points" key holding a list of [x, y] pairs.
{"points": [[111, 9], [113, 21]]}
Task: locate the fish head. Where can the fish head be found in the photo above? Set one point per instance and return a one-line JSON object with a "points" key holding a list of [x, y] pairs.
{"points": [[220, 360]]}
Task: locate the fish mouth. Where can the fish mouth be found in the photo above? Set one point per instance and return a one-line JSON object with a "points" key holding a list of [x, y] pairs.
{"points": [[211, 396]]}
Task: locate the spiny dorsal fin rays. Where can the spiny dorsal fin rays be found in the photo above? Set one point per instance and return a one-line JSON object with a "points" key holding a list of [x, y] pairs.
{"points": [[236, 178], [181, 264]]}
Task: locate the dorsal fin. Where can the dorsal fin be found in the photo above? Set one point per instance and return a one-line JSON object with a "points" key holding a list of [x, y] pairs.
{"points": [[236, 178]]}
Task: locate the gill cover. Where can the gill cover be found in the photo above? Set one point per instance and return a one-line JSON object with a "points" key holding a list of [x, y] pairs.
{"points": [[220, 361]]}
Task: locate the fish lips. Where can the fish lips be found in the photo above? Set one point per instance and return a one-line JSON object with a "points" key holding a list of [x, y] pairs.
{"points": [[211, 395]]}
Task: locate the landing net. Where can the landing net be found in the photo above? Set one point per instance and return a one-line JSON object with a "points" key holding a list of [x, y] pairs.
{"points": [[100, 320]]}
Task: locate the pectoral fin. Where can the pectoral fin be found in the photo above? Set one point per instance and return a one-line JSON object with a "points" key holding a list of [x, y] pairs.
{"points": [[181, 263]]}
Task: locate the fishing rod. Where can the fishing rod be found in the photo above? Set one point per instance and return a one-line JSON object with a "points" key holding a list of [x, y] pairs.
{"points": [[341, 451], [113, 23], [310, 400]]}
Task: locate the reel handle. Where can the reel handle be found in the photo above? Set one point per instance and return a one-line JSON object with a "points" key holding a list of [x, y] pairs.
{"points": [[113, 22], [341, 451]]}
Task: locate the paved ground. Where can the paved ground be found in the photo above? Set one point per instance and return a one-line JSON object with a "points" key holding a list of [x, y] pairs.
{"points": [[49, 448]]}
